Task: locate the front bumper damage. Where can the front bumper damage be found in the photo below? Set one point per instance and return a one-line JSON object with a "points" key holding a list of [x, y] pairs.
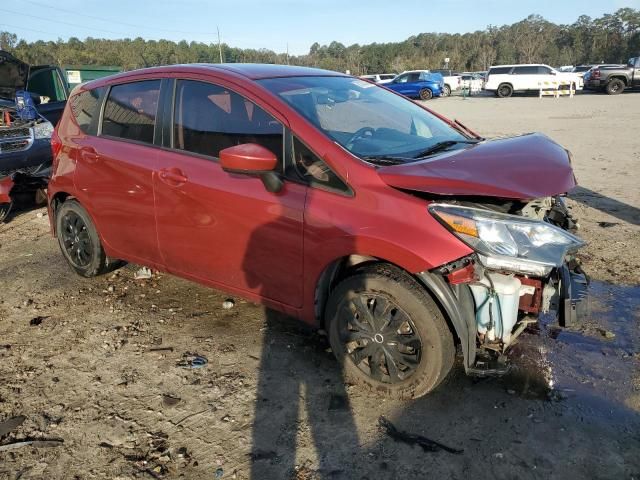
{"points": [[486, 339]]}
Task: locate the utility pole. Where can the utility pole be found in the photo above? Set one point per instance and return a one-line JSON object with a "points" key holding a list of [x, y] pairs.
{"points": [[219, 45], [287, 53]]}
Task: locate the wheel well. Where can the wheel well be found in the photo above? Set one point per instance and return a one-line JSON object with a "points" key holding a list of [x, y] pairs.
{"points": [[342, 268], [331, 276], [57, 200], [505, 83], [624, 79]]}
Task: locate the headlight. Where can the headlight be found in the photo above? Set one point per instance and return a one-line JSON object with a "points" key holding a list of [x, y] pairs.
{"points": [[508, 242], [43, 130]]}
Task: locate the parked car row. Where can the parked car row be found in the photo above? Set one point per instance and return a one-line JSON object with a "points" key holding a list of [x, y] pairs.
{"points": [[505, 80]]}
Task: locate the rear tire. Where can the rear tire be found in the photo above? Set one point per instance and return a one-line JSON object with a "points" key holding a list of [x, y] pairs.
{"points": [[79, 241], [388, 333], [504, 90], [426, 94], [446, 91], [615, 87]]}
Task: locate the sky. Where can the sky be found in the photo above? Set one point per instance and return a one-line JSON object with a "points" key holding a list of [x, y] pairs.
{"points": [[279, 24]]}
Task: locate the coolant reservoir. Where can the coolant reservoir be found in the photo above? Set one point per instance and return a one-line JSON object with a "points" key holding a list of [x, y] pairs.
{"points": [[504, 306]]}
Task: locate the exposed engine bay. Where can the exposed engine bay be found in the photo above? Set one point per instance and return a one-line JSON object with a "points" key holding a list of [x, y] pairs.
{"points": [[17, 133], [25, 152], [507, 298]]}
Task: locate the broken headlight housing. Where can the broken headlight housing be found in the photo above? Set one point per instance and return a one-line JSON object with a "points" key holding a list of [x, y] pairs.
{"points": [[42, 130], [508, 242]]}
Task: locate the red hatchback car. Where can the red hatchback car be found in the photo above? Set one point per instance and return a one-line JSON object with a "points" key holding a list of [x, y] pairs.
{"points": [[399, 232]]}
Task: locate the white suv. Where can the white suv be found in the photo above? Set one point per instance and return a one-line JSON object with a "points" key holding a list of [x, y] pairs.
{"points": [[506, 79]]}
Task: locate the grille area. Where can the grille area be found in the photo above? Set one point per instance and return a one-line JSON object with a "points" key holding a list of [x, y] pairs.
{"points": [[15, 139]]}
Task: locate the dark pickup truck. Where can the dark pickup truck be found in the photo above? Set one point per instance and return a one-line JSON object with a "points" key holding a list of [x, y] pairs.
{"points": [[614, 79]]}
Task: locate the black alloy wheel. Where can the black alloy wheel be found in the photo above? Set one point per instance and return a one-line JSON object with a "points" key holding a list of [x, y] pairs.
{"points": [[387, 332], [379, 337], [79, 241], [76, 240]]}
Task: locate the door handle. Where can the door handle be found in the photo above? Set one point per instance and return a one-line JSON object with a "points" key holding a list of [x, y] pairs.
{"points": [[173, 177], [89, 154]]}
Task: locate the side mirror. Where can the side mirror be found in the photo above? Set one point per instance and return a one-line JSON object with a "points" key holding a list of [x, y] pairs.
{"points": [[252, 159]]}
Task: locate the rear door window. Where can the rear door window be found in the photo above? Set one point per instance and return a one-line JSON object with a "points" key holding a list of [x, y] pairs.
{"points": [[85, 108], [408, 78], [130, 111], [209, 118], [499, 70], [528, 70]]}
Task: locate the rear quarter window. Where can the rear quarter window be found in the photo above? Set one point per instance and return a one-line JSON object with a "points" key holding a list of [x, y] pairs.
{"points": [[85, 108], [130, 111]]}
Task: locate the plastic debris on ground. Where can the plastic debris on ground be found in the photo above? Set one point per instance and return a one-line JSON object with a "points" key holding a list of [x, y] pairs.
{"points": [[192, 360]]}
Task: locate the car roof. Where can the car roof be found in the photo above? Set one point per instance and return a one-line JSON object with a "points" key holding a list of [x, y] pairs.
{"points": [[250, 71], [520, 65]]}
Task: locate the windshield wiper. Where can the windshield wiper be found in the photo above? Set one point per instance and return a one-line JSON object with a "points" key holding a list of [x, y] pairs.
{"points": [[386, 159], [437, 147]]}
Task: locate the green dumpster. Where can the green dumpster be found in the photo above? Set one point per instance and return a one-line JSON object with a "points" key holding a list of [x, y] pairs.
{"points": [[77, 74]]}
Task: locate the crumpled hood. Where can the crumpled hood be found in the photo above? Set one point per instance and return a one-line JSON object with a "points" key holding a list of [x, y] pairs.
{"points": [[523, 167], [13, 75]]}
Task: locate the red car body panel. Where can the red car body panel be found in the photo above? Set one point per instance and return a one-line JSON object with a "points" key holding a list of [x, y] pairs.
{"points": [[226, 230], [6, 184], [525, 167]]}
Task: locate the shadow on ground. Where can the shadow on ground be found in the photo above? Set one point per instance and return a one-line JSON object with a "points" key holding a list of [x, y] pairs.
{"points": [[563, 412], [616, 208]]}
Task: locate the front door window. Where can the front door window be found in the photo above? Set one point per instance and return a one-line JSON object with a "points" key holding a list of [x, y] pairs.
{"points": [[209, 118]]}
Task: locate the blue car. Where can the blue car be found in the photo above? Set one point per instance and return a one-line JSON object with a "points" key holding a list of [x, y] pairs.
{"points": [[420, 84]]}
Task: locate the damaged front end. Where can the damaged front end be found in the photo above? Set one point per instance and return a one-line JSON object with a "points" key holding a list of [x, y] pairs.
{"points": [[523, 266], [25, 151]]}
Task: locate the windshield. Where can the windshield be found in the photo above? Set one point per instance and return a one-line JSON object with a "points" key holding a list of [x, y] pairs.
{"points": [[365, 119]]}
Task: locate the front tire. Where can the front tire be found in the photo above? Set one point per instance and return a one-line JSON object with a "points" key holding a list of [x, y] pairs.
{"points": [[615, 87], [446, 91], [79, 240], [388, 333], [504, 91], [426, 94]]}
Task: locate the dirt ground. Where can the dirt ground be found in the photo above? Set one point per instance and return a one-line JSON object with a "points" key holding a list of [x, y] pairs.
{"points": [[95, 363]]}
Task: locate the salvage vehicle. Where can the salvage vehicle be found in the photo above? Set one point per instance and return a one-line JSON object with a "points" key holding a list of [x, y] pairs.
{"points": [[504, 80], [614, 79], [420, 84], [25, 134], [46, 83], [398, 232]]}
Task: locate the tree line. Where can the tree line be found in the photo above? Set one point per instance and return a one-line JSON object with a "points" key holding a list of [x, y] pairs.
{"points": [[612, 38]]}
